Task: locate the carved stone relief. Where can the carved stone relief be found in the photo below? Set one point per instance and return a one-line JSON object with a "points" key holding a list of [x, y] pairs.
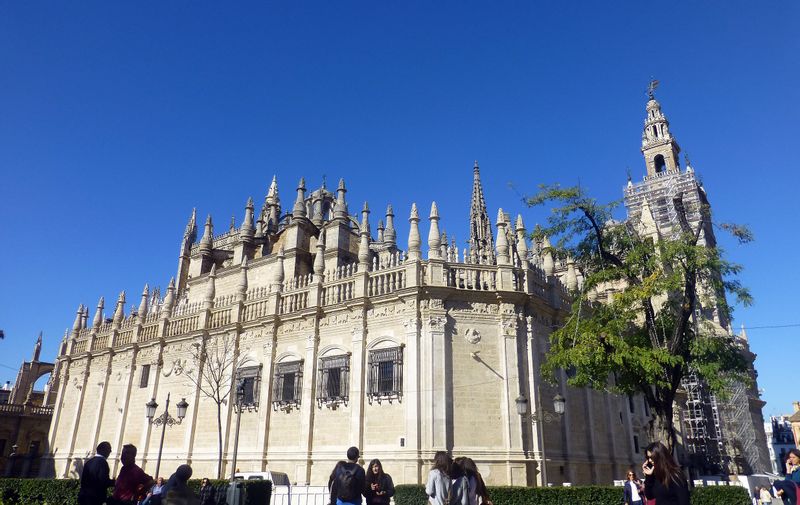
{"points": [[472, 335], [472, 307]]}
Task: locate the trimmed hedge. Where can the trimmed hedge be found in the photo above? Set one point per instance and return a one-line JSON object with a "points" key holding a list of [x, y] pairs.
{"points": [[65, 491], [729, 495], [577, 495]]}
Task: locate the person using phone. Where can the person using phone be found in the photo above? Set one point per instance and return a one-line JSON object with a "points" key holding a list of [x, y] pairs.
{"points": [[663, 480], [793, 466]]}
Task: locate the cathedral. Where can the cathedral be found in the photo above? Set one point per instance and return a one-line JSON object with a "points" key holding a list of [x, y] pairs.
{"points": [[322, 334]]}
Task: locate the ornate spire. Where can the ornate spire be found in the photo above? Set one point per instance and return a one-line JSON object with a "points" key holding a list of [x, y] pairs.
{"points": [[247, 230], [98, 316], [272, 206], [85, 317], [190, 233], [659, 147], [502, 239], [481, 242], [319, 259], [241, 288], [363, 246], [169, 300], [37, 348], [390, 234], [434, 235], [143, 307], [207, 242], [548, 263], [414, 240], [119, 311], [78, 324], [299, 209], [211, 287], [278, 274], [340, 211], [572, 277], [522, 242]]}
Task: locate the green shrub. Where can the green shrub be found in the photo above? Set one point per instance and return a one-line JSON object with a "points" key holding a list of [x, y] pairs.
{"points": [[722, 495], [578, 495], [65, 491]]}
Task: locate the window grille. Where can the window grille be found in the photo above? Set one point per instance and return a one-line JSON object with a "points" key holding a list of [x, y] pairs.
{"points": [[250, 378], [288, 385], [333, 381], [385, 374], [145, 377]]}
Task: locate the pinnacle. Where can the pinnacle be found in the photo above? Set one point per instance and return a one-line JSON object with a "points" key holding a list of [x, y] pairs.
{"points": [[302, 184], [520, 225], [366, 207], [414, 212], [501, 217], [341, 185], [249, 202], [434, 211], [389, 211]]}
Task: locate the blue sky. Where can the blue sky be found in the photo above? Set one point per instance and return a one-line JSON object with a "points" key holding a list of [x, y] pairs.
{"points": [[117, 118]]}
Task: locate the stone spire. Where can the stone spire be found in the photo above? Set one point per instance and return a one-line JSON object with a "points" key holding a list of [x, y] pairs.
{"points": [[37, 348], [98, 316], [390, 234], [85, 317], [414, 240], [481, 242], [78, 324], [299, 209], [143, 307], [278, 273], [319, 258], [119, 311], [207, 242], [241, 287], [272, 204], [363, 246], [659, 147], [190, 234], [522, 242], [548, 262], [340, 211], [247, 230], [502, 239], [572, 277], [169, 300], [434, 235], [211, 288]]}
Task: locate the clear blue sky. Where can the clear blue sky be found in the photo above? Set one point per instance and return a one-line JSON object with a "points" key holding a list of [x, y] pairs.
{"points": [[116, 118]]}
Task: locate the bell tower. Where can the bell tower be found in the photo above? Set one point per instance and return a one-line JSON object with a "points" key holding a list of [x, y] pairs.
{"points": [[659, 148]]}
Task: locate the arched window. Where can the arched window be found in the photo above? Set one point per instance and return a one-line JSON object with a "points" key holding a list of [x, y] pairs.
{"points": [[660, 164]]}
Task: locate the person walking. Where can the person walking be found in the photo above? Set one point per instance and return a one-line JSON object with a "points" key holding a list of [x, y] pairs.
{"points": [[207, 494], [764, 496], [95, 477], [478, 494], [132, 483], [177, 490], [459, 486], [348, 481], [633, 489], [379, 488], [438, 486], [663, 479]]}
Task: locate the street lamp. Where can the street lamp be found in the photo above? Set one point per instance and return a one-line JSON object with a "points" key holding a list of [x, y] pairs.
{"points": [[164, 420], [559, 406], [239, 405]]}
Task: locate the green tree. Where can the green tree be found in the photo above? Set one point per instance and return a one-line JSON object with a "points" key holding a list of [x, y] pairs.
{"points": [[633, 318]]}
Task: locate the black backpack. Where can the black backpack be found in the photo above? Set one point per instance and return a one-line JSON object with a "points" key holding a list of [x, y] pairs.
{"points": [[347, 483]]}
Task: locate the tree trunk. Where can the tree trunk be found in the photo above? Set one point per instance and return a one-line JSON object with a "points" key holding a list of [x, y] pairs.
{"points": [[662, 425], [219, 440]]}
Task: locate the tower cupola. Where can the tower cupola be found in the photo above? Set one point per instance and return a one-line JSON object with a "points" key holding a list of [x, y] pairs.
{"points": [[659, 147]]}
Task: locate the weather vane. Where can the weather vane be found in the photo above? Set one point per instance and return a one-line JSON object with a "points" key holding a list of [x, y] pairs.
{"points": [[651, 88]]}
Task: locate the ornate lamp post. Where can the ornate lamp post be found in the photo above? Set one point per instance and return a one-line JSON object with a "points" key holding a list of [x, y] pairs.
{"points": [[164, 420], [559, 406], [238, 405]]}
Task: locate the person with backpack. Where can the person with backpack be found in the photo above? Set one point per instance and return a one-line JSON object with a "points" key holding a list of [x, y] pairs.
{"points": [[348, 481], [438, 486]]}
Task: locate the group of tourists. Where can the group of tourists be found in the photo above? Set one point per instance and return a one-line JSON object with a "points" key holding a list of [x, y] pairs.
{"points": [[133, 486], [450, 482], [665, 484]]}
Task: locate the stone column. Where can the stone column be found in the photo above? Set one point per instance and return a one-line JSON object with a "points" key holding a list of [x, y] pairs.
{"points": [[119, 437], [512, 432], [358, 382], [438, 365], [148, 428], [412, 393], [534, 396], [307, 409], [101, 405], [57, 409], [265, 396], [81, 385], [194, 402]]}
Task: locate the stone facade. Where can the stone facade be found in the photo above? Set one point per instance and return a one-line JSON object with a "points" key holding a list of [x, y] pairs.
{"points": [[431, 353]]}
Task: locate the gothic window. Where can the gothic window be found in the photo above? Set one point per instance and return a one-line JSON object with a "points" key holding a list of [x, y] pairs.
{"points": [[333, 380], [659, 163], [636, 444], [630, 404], [385, 374], [287, 385], [250, 378], [144, 378]]}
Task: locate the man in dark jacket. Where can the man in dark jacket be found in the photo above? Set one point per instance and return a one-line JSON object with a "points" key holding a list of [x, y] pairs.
{"points": [[95, 479], [348, 480]]}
